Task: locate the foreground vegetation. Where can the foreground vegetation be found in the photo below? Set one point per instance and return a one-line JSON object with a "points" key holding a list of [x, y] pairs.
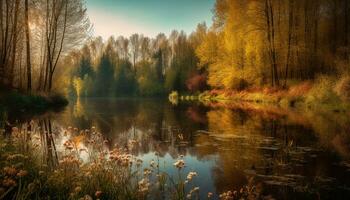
{"points": [[81, 167]]}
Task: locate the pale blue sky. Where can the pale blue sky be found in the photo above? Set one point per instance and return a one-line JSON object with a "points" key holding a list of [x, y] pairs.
{"points": [[148, 17]]}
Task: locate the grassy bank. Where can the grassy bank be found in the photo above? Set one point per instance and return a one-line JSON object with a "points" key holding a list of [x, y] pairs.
{"points": [[81, 167], [324, 93], [30, 103]]}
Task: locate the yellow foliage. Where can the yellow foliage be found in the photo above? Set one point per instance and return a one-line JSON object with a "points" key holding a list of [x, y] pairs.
{"points": [[78, 85]]}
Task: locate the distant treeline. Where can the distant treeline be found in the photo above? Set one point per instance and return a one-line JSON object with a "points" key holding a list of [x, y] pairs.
{"points": [[138, 66], [251, 44]]}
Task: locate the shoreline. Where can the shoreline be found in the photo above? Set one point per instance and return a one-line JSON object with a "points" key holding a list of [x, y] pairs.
{"points": [[278, 98], [12, 101]]}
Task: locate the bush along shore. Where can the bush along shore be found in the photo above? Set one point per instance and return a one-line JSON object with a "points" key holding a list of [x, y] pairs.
{"points": [[324, 93], [31, 103]]}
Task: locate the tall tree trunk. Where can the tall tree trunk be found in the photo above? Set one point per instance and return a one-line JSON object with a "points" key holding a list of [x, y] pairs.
{"points": [[20, 68], [14, 43], [42, 65], [316, 62], [53, 63], [290, 28], [271, 41], [5, 43], [2, 70], [346, 42], [274, 59], [29, 70], [335, 26]]}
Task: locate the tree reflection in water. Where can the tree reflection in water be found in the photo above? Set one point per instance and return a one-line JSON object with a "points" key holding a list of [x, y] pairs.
{"points": [[286, 152]]}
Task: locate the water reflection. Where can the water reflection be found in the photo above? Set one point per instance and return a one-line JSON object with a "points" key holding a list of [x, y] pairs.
{"points": [[299, 153]]}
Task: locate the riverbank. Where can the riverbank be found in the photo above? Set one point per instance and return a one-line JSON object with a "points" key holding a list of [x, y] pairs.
{"points": [[30, 103], [324, 93]]}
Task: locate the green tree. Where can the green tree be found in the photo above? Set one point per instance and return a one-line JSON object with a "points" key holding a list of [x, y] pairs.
{"points": [[104, 77]]}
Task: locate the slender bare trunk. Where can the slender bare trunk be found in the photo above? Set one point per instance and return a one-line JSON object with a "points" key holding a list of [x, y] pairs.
{"points": [[2, 70], [14, 43], [290, 28], [29, 70]]}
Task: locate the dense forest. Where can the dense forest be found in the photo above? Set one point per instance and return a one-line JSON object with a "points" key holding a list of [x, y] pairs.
{"points": [[138, 65], [250, 44]]}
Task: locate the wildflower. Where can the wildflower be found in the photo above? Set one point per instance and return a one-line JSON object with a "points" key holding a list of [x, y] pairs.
{"points": [[139, 162], [153, 164], [77, 189], [98, 194], [31, 186], [227, 195], [147, 172], [86, 197], [11, 171], [22, 173], [14, 129], [191, 175], [132, 144], [88, 174], [143, 185], [83, 149], [8, 182], [179, 164]]}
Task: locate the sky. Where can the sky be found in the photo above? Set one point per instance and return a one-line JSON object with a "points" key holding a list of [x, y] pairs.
{"points": [[148, 17]]}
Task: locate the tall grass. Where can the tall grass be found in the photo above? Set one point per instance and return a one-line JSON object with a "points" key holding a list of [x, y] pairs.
{"points": [[36, 163]]}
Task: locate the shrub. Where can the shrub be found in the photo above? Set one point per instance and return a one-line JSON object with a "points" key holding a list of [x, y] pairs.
{"points": [[196, 82], [33, 103], [342, 88], [238, 84], [322, 91], [300, 89], [58, 100]]}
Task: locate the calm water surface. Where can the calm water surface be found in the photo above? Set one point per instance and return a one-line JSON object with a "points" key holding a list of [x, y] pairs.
{"points": [[288, 154]]}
